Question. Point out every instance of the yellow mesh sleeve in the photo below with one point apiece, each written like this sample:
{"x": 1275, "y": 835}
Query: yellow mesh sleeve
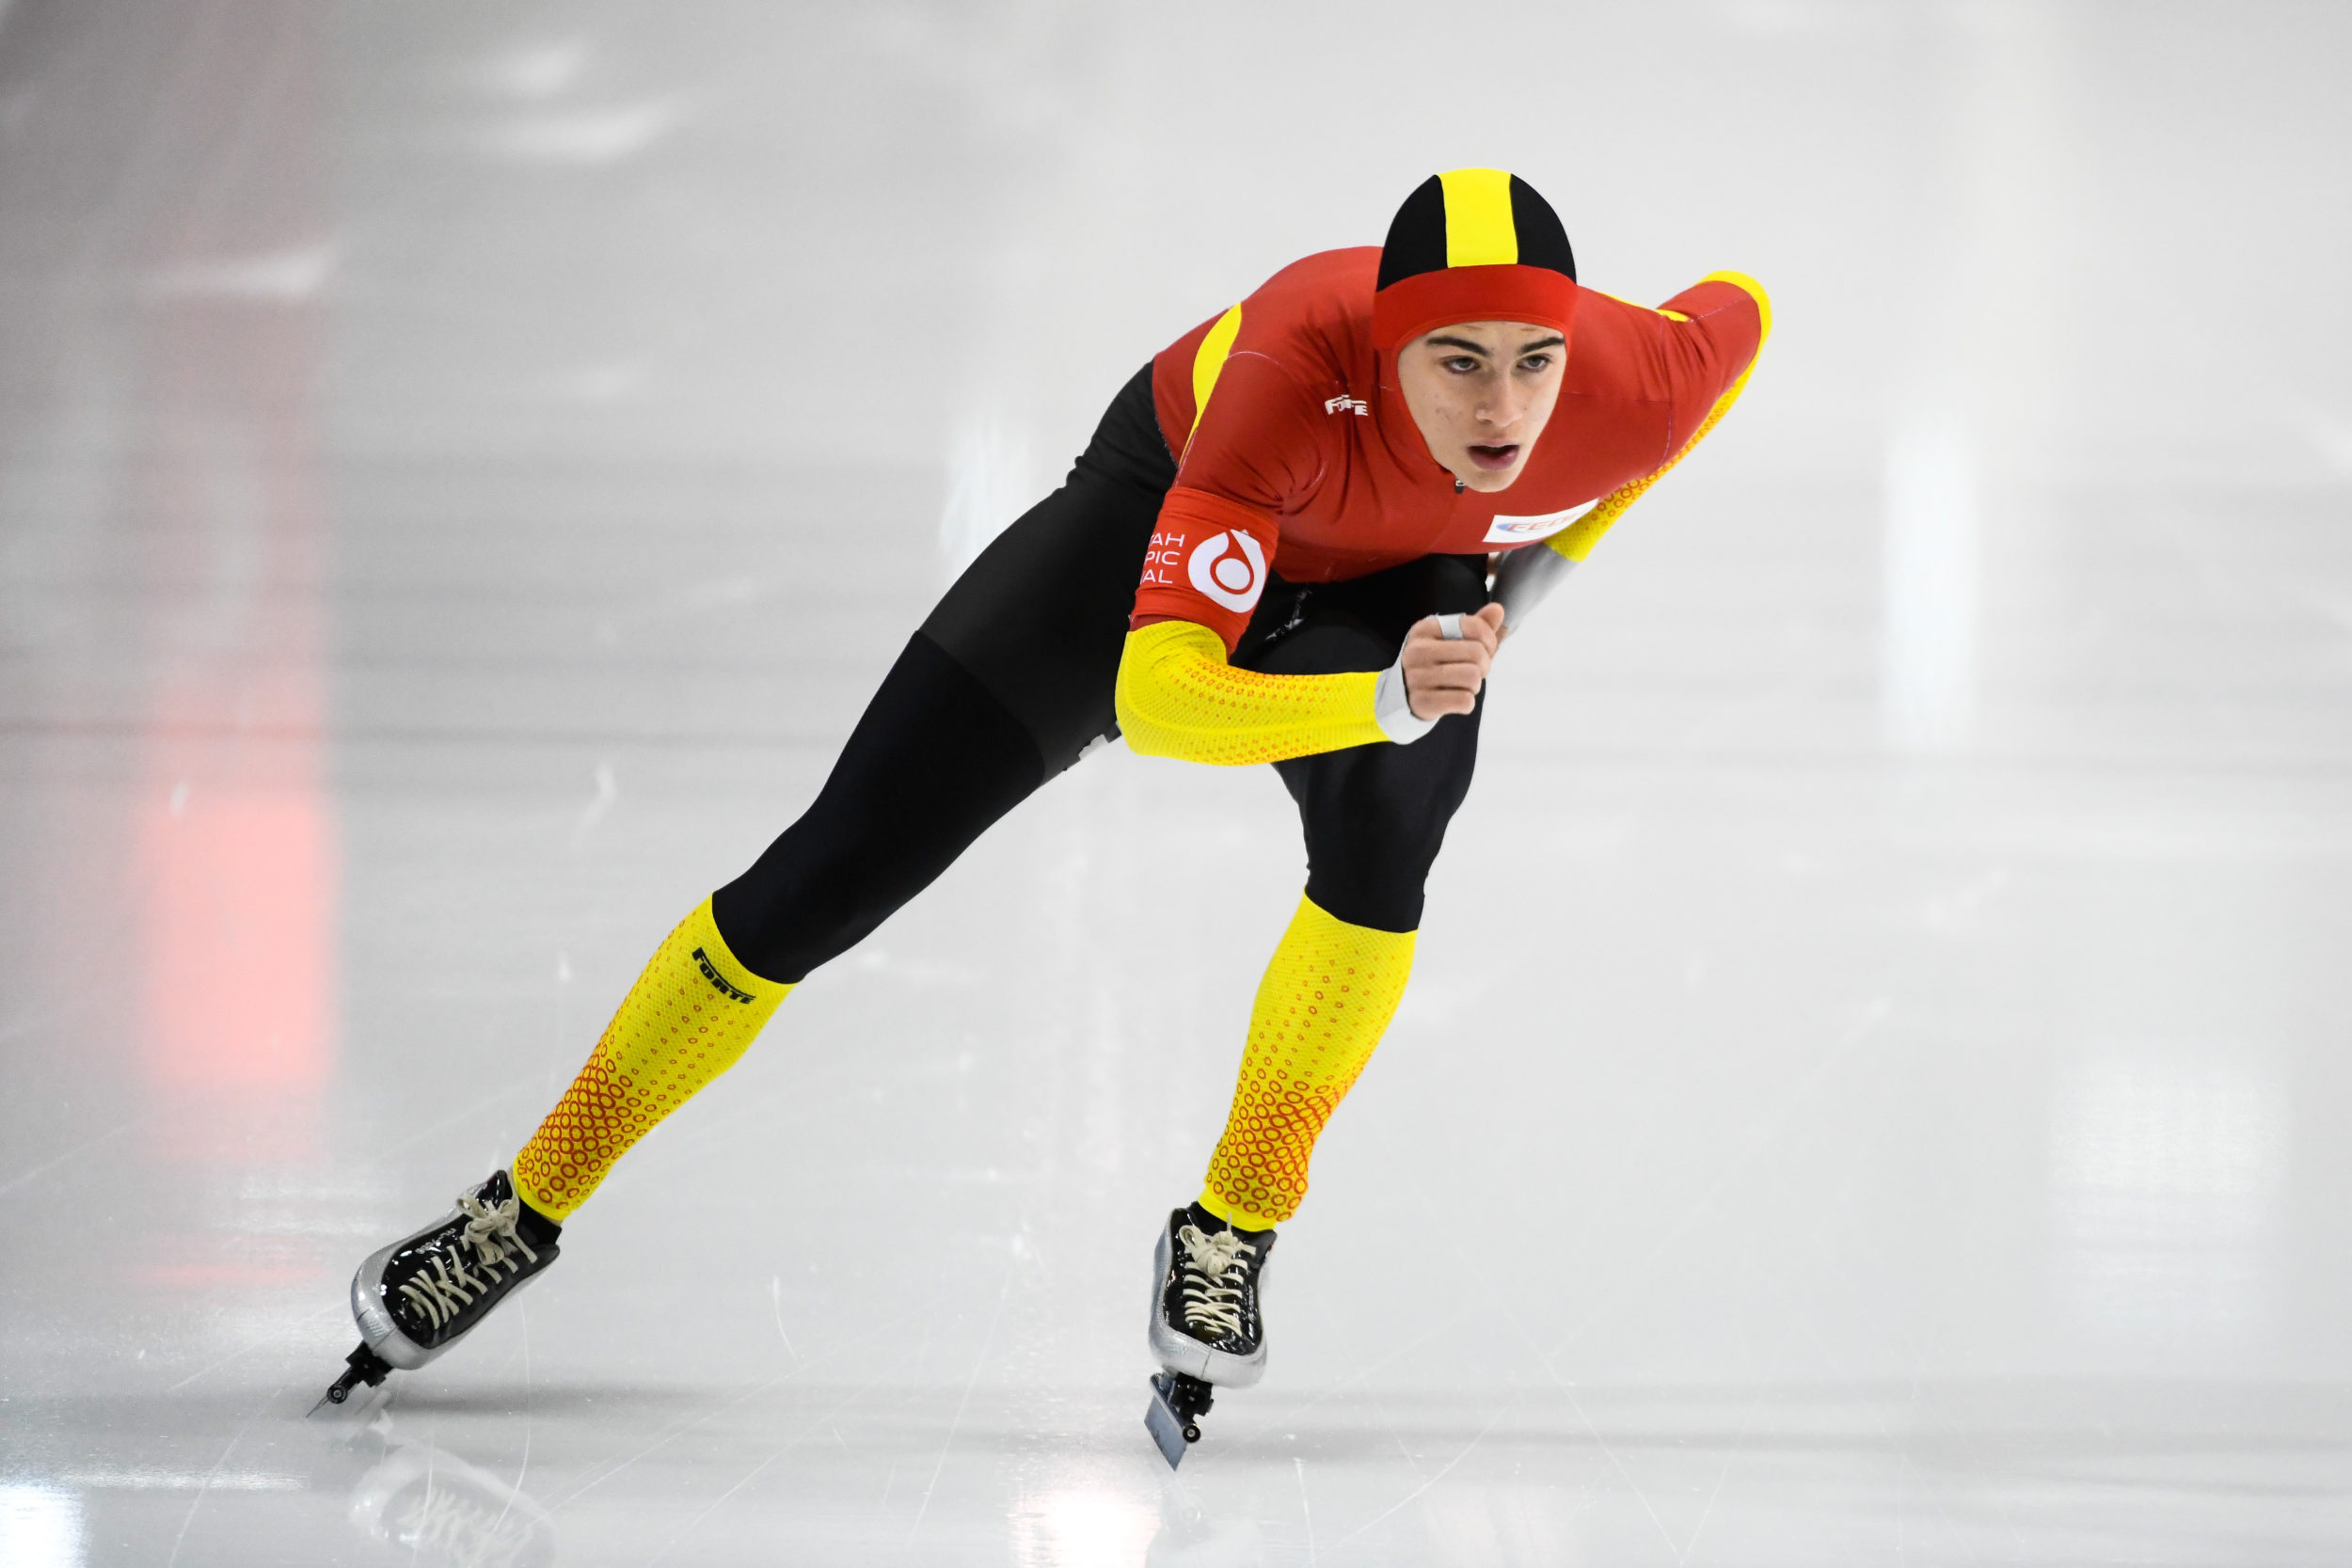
{"x": 686, "y": 1019}
{"x": 1178, "y": 698}
{"x": 1327, "y": 996}
{"x": 1577, "y": 540}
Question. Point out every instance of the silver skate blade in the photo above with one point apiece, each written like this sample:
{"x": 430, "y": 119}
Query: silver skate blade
{"x": 1165, "y": 1428}
{"x": 336, "y": 1394}
{"x": 361, "y": 1365}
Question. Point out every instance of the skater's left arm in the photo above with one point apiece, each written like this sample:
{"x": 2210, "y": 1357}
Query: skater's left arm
{"x": 1722, "y": 330}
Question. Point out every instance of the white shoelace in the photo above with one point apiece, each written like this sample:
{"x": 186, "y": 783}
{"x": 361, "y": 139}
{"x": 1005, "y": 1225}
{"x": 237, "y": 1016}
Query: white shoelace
{"x": 1214, "y": 1271}
{"x": 440, "y": 1291}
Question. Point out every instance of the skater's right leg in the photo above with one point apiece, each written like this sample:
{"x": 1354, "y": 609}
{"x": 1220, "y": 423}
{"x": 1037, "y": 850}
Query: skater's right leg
{"x": 931, "y": 763}
{"x": 934, "y": 761}
{"x": 1007, "y": 683}
{"x": 1009, "y": 679}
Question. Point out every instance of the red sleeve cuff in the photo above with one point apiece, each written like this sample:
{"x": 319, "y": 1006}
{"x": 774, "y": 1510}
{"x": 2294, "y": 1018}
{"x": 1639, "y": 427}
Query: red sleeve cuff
{"x": 1209, "y": 562}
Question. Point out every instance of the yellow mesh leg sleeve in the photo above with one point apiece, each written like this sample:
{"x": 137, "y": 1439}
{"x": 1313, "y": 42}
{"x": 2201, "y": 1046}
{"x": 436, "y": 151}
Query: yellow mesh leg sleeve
{"x": 1327, "y": 998}
{"x": 685, "y": 1021}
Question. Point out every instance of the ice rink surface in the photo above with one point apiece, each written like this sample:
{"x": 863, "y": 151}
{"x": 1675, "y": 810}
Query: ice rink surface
{"x": 1874, "y": 1086}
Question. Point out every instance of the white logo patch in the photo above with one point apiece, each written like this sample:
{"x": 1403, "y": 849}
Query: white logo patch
{"x": 1519, "y": 531}
{"x": 1233, "y": 581}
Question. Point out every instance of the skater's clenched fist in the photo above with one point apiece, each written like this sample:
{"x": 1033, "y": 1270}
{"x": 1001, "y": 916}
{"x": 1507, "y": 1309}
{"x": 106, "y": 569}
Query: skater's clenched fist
{"x": 1442, "y": 675}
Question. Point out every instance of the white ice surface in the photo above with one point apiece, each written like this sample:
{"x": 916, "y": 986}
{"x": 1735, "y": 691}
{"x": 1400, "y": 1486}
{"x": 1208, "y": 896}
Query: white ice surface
{"x": 1873, "y": 1087}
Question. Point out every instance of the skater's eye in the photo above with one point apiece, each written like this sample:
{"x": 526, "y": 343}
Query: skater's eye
{"x": 1466, "y": 357}
{"x": 1536, "y": 364}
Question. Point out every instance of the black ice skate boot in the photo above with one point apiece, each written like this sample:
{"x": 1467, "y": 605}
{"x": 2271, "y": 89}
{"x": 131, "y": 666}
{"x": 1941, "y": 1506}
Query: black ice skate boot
{"x": 1206, "y": 1328}
{"x": 421, "y": 1295}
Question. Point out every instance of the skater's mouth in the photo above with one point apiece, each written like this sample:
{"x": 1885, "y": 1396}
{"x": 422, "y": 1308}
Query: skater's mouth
{"x": 1495, "y": 457}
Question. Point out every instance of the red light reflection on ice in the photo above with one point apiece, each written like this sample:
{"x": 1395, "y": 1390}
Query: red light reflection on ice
{"x": 239, "y": 896}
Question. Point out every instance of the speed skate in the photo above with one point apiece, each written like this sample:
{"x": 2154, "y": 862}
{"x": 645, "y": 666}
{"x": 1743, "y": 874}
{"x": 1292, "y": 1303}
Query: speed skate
{"x": 1207, "y": 1329}
{"x": 416, "y": 1297}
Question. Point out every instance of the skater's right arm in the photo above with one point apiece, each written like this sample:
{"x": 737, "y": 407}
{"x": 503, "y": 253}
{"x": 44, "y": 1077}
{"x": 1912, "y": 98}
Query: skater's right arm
{"x": 1210, "y": 554}
{"x": 1178, "y": 696}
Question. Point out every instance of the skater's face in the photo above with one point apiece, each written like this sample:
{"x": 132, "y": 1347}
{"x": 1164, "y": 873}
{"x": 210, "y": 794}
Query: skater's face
{"x": 1482, "y": 392}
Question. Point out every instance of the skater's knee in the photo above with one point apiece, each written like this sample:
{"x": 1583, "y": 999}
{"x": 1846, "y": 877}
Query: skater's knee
{"x": 1379, "y": 894}
{"x": 803, "y": 904}
{"x": 1371, "y": 845}
{"x": 1371, "y": 873}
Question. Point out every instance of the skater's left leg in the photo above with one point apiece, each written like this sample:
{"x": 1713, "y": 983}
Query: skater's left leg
{"x": 1327, "y": 998}
{"x": 1375, "y": 819}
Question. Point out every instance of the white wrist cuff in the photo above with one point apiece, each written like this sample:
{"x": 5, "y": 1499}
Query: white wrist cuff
{"x": 1392, "y": 712}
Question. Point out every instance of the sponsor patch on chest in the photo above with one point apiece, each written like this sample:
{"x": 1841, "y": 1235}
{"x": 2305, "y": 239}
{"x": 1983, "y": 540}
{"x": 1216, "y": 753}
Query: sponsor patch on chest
{"x": 1521, "y": 530}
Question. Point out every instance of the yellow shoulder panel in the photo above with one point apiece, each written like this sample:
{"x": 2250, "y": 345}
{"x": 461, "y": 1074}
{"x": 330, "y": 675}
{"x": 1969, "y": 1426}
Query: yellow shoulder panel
{"x": 1209, "y": 361}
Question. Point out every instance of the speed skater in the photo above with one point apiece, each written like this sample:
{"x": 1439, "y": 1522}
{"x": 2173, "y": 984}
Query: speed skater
{"x": 1298, "y": 536}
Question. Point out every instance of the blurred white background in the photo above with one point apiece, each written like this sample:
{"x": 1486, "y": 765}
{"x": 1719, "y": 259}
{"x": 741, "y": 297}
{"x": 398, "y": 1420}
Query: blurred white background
{"x": 1871, "y": 1091}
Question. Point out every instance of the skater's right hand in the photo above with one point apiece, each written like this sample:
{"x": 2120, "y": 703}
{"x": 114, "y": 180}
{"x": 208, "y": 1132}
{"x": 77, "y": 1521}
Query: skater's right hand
{"x": 1443, "y": 677}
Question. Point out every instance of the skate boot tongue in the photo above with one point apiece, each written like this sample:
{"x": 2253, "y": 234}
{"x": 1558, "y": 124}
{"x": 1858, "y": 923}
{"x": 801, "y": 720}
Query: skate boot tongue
{"x": 1208, "y": 1223}
{"x": 1217, "y": 1271}
{"x": 498, "y": 1196}
{"x": 531, "y": 1225}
